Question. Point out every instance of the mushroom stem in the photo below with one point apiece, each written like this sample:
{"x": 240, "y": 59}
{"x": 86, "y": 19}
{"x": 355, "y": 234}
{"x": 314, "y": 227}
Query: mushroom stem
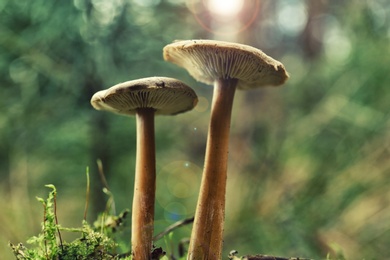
{"x": 207, "y": 233}
{"x": 144, "y": 186}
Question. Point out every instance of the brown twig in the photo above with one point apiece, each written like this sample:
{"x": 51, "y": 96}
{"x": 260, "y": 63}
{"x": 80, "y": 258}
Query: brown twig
{"x": 173, "y": 227}
{"x": 101, "y": 173}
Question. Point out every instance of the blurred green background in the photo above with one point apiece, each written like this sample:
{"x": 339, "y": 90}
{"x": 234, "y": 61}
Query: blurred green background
{"x": 309, "y": 169}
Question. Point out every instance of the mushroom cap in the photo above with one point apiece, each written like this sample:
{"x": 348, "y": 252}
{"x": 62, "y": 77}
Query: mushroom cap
{"x": 167, "y": 96}
{"x": 209, "y": 60}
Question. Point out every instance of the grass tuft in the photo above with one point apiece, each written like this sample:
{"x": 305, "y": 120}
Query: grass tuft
{"x": 93, "y": 243}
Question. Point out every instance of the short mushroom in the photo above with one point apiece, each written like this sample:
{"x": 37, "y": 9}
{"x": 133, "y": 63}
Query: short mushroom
{"x": 229, "y": 66}
{"x": 145, "y": 98}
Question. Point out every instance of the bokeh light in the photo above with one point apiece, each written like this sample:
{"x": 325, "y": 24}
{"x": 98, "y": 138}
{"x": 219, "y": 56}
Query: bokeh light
{"x": 292, "y": 17}
{"x": 175, "y": 211}
{"x": 225, "y": 7}
{"x": 178, "y": 181}
{"x": 224, "y": 19}
{"x": 146, "y": 3}
{"x": 336, "y": 42}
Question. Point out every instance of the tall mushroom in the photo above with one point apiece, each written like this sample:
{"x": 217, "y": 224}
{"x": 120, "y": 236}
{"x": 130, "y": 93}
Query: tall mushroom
{"x": 145, "y": 98}
{"x": 229, "y": 66}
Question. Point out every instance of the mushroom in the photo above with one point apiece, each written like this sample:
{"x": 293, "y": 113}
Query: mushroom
{"x": 229, "y": 66}
{"x": 145, "y": 98}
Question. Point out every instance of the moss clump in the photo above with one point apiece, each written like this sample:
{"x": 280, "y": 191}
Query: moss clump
{"x": 94, "y": 242}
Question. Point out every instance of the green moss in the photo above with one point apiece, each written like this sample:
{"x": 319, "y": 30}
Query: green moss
{"x": 94, "y": 242}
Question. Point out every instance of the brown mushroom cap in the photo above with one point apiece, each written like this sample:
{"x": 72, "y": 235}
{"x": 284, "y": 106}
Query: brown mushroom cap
{"x": 167, "y": 96}
{"x": 209, "y": 60}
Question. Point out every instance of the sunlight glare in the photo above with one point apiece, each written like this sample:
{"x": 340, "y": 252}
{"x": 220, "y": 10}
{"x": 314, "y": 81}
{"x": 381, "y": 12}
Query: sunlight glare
{"x": 225, "y": 7}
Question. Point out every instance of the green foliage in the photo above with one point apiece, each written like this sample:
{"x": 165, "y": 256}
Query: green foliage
{"x": 94, "y": 242}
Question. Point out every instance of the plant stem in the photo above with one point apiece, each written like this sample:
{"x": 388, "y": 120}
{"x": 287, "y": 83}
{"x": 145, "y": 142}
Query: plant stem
{"x": 207, "y": 233}
{"x": 144, "y": 186}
